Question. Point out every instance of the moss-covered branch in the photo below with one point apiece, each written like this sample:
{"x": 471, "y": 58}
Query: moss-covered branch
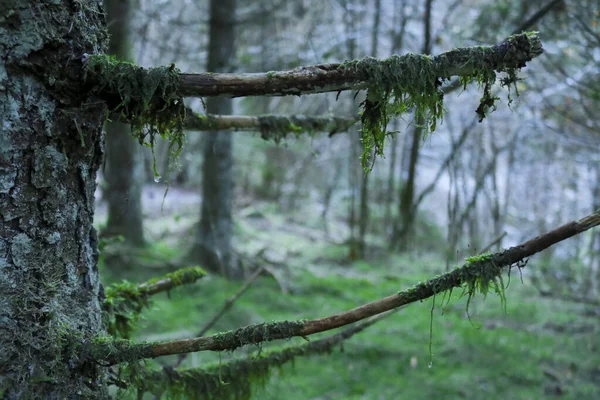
{"x": 235, "y": 379}
{"x": 271, "y": 127}
{"x": 353, "y": 75}
{"x": 478, "y": 274}
{"x": 147, "y": 98}
{"x": 153, "y": 99}
{"x": 124, "y": 301}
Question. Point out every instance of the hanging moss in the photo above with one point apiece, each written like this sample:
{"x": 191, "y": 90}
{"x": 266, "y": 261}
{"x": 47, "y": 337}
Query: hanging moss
{"x": 236, "y": 379}
{"x": 396, "y": 85}
{"x": 125, "y": 301}
{"x": 148, "y": 98}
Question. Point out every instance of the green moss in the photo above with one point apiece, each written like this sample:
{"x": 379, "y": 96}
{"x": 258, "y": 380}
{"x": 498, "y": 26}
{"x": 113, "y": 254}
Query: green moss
{"x": 148, "y": 98}
{"x": 399, "y": 84}
{"x": 257, "y": 334}
{"x": 276, "y": 128}
{"x": 123, "y": 304}
{"x": 396, "y": 85}
{"x": 182, "y": 276}
{"x": 125, "y": 301}
{"x": 233, "y": 380}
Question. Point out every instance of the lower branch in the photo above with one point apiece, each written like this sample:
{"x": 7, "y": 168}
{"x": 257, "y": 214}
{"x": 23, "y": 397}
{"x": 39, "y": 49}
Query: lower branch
{"x": 228, "y": 304}
{"x": 479, "y": 273}
{"x": 271, "y": 127}
{"x": 233, "y": 380}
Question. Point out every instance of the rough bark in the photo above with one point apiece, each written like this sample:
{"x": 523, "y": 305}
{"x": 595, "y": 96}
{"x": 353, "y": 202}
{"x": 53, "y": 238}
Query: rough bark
{"x": 124, "y": 158}
{"x": 212, "y": 247}
{"x": 51, "y": 146}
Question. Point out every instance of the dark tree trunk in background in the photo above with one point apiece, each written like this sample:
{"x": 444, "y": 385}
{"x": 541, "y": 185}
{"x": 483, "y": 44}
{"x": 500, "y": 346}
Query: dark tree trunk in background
{"x": 50, "y": 150}
{"x": 212, "y": 247}
{"x": 407, "y": 212}
{"x": 363, "y": 218}
{"x": 124, "y": 171}
{"x": 397, "y": 37}
{"x": 350, "y": 20}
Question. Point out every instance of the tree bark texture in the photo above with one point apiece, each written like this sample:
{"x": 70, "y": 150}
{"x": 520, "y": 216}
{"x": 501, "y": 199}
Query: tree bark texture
{"x": 51, "y": 146}
{"x": 212, "y": 247}
{"x": 124, "y": 174}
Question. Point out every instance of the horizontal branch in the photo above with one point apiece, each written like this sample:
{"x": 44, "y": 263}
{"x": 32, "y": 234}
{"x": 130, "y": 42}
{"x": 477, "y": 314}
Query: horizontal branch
{"x": 234, "y": 379}
{"x": 355, "y": 75}
{"x": 270, "y": 126}
{"x": 183, "y": 276}
{"x": 125, "y": 301}
{"x": 478, "y": 273}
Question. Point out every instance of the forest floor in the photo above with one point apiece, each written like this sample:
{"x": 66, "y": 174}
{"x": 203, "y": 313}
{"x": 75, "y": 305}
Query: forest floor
{"x": 538, "y": 348}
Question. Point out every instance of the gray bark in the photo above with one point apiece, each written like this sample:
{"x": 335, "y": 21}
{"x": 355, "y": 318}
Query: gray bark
{"x": 51, "y": 146}
{"x": 124, "y": 158}
{"x": 212, "y": 247}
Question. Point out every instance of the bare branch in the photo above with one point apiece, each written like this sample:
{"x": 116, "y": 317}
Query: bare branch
{"x": 478, "y": 272}
{"x": 512, "y": 53}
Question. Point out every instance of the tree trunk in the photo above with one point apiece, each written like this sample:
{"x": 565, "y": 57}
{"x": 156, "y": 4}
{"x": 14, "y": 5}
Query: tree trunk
{"x": 124, "y": 172}
{"x": 51, "y": 146}
{"x": 213, "y": 239}
{"x": 363, "y": 217}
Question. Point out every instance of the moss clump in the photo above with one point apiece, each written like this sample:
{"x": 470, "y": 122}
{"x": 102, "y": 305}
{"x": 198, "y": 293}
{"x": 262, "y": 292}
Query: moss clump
{"x": 180, "y": 277}
{"x": 257, "y": 334}
{"x": 396, "y": 85}
{"x": 276, "y": 128}
{"x": 148, "y": 98}
{"x": 400, "y": 83}
{"x": 478, "y": 275}
{"x": 123, "y": 304}
{"x": 125, "y": 301}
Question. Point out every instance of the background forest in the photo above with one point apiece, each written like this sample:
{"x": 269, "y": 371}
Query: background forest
{"x": 329, "y": 236}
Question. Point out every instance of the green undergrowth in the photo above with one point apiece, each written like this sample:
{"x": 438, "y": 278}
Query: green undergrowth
{"x": 148, "y": 98}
